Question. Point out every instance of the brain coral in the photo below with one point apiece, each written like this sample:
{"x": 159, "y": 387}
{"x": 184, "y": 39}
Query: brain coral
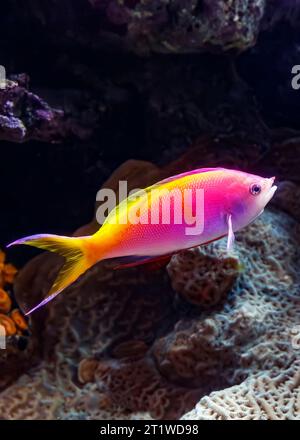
{"x": 268, "y": 396}
{"x": 252, "y": 330}
{"x": 124, "y": 344}
{"x": 189, "y": 275}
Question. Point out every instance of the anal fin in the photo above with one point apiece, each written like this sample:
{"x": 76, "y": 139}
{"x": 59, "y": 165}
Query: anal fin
{"x": 150, "y": 262}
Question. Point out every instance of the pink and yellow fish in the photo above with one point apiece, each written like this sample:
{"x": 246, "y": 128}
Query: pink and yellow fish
{"x": 177, "y": 213}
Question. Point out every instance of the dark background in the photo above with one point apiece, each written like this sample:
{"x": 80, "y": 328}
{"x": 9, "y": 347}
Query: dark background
{"x": 144, "y": 106}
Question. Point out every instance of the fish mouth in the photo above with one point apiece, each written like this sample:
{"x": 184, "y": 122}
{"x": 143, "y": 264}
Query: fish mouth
{"x": 272, "y": 189}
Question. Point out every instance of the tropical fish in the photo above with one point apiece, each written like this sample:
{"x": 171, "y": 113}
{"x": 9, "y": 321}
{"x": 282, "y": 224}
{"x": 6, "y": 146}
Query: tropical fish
{"x": 180, "y": 212}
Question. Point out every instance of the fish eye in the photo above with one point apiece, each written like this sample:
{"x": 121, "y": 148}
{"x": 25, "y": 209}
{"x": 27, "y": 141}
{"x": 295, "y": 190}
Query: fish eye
{"x": 255, "y": 189}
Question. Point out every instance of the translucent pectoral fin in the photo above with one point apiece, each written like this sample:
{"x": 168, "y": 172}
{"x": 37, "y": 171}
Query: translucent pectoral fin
{"x": 230, "y": 237}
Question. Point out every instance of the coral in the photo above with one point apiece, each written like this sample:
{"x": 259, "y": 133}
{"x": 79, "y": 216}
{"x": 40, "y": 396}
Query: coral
{"x": 179, "y": 26}
{"x": 7, "y": 271}
{"x": 25, "y": 116}
{"x": 19, "y": 320}
{"x": 189, "y": 276}
{"x": 117, "y": 345}
{"x": 71, "y": 365}
{"x": 20, "y": 346}
{"x": 8, "y": 324}
{"x": 268, "y": 396}
{"x": 5, "y": 301}
{"x": 173, "y": 26}
{"x": 131, "y": 344}
{"x": 136, "y": 344}
{"x": 7, "y": 275}
{"x": 252, "y": 331}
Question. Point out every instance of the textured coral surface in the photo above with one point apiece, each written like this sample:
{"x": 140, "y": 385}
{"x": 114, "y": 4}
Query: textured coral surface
{"x": 20, "y": 346}
{"x": 119, "y": 346}
{"x": 264, "y": 396}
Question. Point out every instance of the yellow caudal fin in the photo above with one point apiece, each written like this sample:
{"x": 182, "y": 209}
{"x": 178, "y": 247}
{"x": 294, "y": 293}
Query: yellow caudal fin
{"x": 73, "y": 249}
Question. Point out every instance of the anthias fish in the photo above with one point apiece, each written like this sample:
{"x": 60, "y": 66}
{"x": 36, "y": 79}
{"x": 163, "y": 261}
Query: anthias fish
{"x": 177, "y": 213}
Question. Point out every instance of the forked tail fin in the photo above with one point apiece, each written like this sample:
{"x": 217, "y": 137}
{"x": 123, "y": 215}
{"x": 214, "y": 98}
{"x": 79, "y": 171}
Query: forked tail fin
{"x": 73, "y": 249}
